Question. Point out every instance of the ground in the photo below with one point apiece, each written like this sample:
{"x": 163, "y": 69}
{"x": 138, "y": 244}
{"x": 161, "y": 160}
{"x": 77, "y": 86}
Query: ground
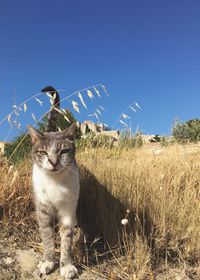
{"x": 21, "y": 264}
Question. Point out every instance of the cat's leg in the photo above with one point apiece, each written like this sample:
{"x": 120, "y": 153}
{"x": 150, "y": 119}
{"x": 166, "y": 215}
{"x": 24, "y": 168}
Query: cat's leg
{"x": 67, "y": 269}
{"x": 46, "y": 224}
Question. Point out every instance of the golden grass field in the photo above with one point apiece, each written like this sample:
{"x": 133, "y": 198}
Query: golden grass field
{"x": 158, "y": 194}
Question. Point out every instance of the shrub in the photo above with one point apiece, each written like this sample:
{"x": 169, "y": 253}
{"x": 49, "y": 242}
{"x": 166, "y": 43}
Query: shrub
{"x": 167, "y": 141}
{"x": 130, "y": 141}
{"x": 95, "y": 141}
{"x": 15, "y": 151}
{"x": 187, "y": 132}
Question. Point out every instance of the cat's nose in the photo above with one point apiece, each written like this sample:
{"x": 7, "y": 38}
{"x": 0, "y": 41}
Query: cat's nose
{"x": 53, "y": 161}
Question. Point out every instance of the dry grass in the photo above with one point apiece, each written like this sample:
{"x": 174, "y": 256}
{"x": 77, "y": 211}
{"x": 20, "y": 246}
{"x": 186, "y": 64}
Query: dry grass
{"x": 162, "y": 193}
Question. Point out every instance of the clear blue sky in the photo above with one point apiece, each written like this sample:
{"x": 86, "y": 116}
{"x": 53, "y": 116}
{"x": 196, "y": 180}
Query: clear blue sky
{"x": 142, "y": 50}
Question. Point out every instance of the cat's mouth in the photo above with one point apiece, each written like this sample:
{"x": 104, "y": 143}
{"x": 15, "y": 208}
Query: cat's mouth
{"x": 56, "y": 170}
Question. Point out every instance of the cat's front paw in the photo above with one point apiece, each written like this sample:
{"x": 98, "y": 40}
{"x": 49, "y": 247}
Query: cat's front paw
{"x": 68, "y": 271}
{"x": 45, "y": 267}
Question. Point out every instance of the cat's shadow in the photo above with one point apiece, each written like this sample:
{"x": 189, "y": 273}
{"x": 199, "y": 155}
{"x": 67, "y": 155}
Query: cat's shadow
{"x": 99, "y": 215}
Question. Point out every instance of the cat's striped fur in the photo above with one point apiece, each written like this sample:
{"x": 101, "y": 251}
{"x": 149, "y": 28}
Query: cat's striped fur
{"x": 51, "y": 124}
{"x": 56, "y": 188}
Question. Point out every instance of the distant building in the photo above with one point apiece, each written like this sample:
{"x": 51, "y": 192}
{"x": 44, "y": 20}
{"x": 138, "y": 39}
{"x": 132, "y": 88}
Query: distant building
{"x": 146, "y": 138}
{"x": 115, "y": 134}
{"x": 2, "y": 148}
{"x": 97, "y": 128}
{"x": 103, "y": 127}
{"x": 87, "y": 126}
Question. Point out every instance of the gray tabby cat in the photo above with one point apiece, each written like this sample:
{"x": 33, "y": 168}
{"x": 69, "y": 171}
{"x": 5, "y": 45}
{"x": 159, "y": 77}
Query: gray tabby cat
{"x": 56, "y": 188}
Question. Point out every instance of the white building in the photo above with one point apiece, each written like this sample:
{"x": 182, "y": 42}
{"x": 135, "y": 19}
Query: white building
{"x": 2, "y": 148}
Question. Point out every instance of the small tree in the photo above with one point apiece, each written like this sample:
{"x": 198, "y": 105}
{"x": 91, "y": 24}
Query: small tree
{"x": 187, "y": 132}
{"x": 155, "y": 139}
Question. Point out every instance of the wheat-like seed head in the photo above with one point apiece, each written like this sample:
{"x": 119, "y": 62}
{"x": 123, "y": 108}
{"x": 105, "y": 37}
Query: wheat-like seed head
{"x": 74, "y": 99}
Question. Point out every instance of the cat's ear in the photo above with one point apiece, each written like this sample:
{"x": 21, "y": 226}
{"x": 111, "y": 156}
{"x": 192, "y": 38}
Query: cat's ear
{"x": 35, "y": 134}
{"x": 70, "y": 132}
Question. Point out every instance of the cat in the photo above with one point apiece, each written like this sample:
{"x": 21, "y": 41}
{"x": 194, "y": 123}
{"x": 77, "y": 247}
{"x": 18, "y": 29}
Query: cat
{"x": 55, "y": 187}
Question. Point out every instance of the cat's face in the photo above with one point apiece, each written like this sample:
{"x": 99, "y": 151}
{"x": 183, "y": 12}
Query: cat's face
{"x": 54, "y": 151}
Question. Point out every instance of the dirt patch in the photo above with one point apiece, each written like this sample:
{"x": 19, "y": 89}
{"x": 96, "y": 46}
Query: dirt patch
{"x": 9, "y": 268}
{"x": 21, "y": 264}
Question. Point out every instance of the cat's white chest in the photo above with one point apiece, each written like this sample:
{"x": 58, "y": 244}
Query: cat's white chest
{"x": 50, "y": 192}
{"x": 54, "y": 189}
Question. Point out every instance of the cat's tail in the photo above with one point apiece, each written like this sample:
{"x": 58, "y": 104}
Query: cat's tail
{"x": 51, "y": 124}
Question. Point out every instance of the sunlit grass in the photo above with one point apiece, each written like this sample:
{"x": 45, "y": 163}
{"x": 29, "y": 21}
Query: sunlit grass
{"x": 161, "y": 192}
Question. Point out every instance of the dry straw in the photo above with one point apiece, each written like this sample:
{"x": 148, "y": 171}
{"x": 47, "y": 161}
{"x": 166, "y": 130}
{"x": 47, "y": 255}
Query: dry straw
{"x": 161, "y": 193}
{"x": 23, "y": 107}
{"x": 124, "y": 116}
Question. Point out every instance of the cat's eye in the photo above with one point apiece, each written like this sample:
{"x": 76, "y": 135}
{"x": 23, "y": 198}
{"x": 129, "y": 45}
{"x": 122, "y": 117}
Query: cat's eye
{"x": 64, "y": 151}
{"x": 43, "y": 153}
